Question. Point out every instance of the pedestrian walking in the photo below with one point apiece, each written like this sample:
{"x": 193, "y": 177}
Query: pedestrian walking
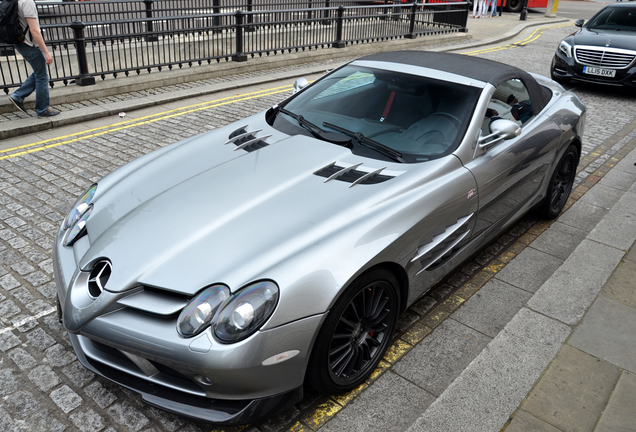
{"x": 35, "y": 52}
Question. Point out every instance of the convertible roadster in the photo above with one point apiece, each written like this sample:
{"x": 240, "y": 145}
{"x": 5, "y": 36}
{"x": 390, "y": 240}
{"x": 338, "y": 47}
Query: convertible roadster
{"x": 219, "y": 275}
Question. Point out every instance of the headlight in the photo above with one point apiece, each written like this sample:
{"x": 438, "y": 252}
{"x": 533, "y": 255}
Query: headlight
{"x": 246, "y": 311}
{"x": 77, "y": 229}
{"x": 198, "y": 314}
{"x": 80, "y": 207}
{"x": 565, "y": 48}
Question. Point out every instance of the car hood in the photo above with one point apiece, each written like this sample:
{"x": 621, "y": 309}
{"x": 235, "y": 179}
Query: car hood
{"x": 205, "y": 213}
{"x": 616, "y": 39}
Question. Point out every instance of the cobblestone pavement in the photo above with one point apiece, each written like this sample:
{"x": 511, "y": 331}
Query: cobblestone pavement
{"x": 42, "y": 385}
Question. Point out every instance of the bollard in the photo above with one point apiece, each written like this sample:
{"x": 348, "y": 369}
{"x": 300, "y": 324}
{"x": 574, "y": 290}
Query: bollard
{"x": 550, "y": 10}
{"x": 150, "y": 37}
{"x": 339, "y": 43}
{"x": 325, "y": 15}
{"x": 412, "y": 34}
{"x": 239, "y": 56}
{"x": 524, "y": 11}
{"x": 84, "y": 77}
{"x": 250, "y": 19}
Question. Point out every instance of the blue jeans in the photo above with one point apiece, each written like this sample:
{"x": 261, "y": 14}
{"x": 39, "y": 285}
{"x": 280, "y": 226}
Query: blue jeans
{"x": 38, "y": 80}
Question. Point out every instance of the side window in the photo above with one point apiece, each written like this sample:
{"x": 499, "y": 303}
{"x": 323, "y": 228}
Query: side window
{"x": 510, "y": 101}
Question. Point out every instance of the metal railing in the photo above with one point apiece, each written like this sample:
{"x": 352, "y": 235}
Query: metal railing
{"x": 109, "y": 38}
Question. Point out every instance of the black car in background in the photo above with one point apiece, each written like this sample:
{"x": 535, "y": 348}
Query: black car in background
{"x": 603, "y": 50}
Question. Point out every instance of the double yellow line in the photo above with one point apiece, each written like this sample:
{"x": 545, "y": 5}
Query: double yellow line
{"x": 103, "y": 130}
{"x": 533, "y": 37}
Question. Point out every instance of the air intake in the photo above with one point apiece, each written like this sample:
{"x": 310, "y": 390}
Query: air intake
{"x": 352, "y": 175}
{"x": 247, "y": 140}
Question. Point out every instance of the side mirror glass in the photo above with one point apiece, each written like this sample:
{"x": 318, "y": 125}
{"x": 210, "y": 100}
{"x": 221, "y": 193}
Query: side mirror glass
{"x": 579, "y": 22}
{"x": 300, "y": 84}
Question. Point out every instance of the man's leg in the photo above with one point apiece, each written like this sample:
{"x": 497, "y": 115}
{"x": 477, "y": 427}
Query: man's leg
{"x": 38, "y": 80}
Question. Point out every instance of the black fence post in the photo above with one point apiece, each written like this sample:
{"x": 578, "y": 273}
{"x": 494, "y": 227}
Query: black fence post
{"x": 325, "y": 15}
{"x": 150, "y": 37}
{"x": 309, "y": 11}
{"x": 250, "y": 18}
{"x": 239, "y": 56}
{"x": 84, "y": 78}
{"x": 412, "y": 34}
{"x": 339, "y": 43}
{"x": 386, "y": 10}
{"x": 216, "y": 19}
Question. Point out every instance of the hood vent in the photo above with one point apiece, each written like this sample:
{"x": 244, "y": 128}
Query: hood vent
{"x": 352, "y": 175}
{"x": 247, "y": 140}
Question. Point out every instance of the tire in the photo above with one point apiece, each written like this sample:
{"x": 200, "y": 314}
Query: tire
{"x": 514, "y": 6}
{"x": 355, "y": 335}
{"x": 560, "y": 184}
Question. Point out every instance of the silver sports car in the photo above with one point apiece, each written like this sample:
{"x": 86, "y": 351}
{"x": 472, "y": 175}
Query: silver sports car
{"x": 219, "y": 275}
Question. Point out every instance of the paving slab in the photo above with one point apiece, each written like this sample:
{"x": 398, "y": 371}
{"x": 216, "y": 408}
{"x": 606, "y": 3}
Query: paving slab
{"x": 530, "y": 269}
{"x": 621, "y": 287}
{"x": 583, "y": 216}
{"x": 618, "y": 179}
{"x": 620, "y": 415}
{"x": 573, "y": 391}
{"x": 602, "y": 196}
{"x": 618, "y": 228}
{"x": 526, "y": 422}
{"x": 574, "y": 286}
{"x": 559, "y": 240}
{"x": 628, "y": 163}
{"x": 490, "y": 309}
{"x": 607, "y": 332}
{"x": 435, "y": 362}
{"x": 494, "y": 384}
{"x": 390, "y": 404}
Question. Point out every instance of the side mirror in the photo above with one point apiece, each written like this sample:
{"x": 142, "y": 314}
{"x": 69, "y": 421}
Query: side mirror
{"x": 579, "y": 22}
{"x": 300, "y": 84}
{"x": 501, "y": 129}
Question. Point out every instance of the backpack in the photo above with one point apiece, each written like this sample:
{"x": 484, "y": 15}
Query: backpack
{"x": 11, "y": 31}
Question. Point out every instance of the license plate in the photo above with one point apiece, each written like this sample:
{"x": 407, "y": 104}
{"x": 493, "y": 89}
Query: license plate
{"x": 599, "y": 71}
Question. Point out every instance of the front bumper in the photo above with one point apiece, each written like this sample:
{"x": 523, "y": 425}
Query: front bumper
{"x": 217, "y": 411}
{"x": 566, "y": 68}
{"x": 199, "y": 377}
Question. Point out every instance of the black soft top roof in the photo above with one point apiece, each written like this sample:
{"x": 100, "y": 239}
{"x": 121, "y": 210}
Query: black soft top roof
{"x": 477, "y": 68}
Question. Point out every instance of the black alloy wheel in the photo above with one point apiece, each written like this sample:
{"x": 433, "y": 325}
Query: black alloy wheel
{"x": 355, "y": 334}
{"x": 560, "y": 184}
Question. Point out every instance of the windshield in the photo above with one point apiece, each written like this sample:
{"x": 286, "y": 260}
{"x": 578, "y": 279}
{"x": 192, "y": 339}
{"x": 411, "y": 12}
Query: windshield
{"x": 621, "y": 19}
{"x": 418, "y": 118}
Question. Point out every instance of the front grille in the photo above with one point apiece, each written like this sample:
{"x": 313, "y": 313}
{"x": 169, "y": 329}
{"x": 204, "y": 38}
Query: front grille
{"x": 604, "y": 57}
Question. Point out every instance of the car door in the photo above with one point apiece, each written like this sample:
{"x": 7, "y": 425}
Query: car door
{"x": 510, "y": 173}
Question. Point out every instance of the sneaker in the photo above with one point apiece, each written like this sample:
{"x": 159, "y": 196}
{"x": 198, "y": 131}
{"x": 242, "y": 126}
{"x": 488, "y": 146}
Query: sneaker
{"x": 50, "y": 112}
{"x": 18, "y": 105}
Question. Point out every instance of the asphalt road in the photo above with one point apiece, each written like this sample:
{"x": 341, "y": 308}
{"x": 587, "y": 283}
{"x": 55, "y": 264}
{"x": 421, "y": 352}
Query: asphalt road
{"x": 42, "y": 386}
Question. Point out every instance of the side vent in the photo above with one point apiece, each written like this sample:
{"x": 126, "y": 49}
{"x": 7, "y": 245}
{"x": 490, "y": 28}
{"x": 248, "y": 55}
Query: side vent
{"x": 352, "y": 175}
{"x": 443, "y": 246}
{"x": 247, "y": 140}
